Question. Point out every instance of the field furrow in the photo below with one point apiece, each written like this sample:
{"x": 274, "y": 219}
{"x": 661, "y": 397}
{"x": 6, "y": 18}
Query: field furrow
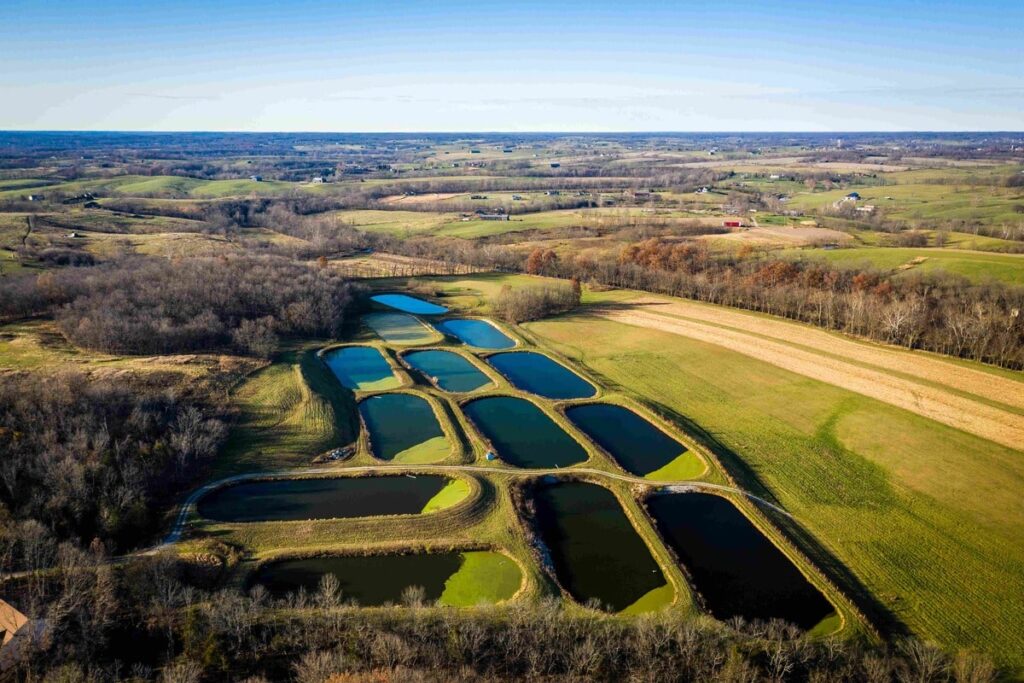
{"x": 971, "y": 416}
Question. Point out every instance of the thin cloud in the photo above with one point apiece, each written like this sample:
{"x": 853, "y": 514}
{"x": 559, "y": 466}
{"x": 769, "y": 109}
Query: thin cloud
{"x": 184, "y": 98}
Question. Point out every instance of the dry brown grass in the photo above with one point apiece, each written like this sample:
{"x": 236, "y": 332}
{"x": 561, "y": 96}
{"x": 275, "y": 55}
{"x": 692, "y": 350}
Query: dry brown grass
{"x": 418, "y": 198}
{"x": 394, "y": 265}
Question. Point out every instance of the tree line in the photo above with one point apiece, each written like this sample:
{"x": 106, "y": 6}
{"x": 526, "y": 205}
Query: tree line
{"x": 534, "y": 303}
{"x": 91, "y": 461}
{"x": 937, "y": 312}
{"x": 148, "y": 621}
{"x": 151, "y": 306}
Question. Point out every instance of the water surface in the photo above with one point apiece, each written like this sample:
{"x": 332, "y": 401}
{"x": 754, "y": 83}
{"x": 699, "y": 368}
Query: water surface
{"x": 370, "y": 580}
{"x": 361, "y": 368}
{"x": 522, "y": 434}
{"x": 399, "y": 328}
{"x": 403, "y": 428}
{"x": 456, "y": 579}
{"x": 538, "y": 374}
{"x": 451, "y": 371}
{"x": 478, "y": 333}
{"x": 640, "y": 447}
{"x": 737, "y": 570}
{"x": 409, "y": 304}
{"x": 596, "y": 552}
{"x": 297, "y": 499}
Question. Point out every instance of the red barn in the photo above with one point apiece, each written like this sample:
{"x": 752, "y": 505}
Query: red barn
{"x": 732, "y": 223}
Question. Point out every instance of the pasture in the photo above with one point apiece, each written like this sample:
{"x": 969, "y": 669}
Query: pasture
{"x": 975, "y": 266}
{"x": 923, "y": 516}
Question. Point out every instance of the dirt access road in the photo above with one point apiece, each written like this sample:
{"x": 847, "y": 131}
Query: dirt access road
{"x": 944, "y": 391}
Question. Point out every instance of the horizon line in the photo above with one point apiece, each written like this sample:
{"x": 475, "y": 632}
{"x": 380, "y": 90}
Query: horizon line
{"x": 510, "y": 132}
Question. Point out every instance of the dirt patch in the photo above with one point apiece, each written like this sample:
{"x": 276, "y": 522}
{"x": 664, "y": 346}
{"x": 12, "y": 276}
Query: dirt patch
{"x": 793, "y": 348}
{"x": 795, "y": 236}
{"x": 417, "y": 198}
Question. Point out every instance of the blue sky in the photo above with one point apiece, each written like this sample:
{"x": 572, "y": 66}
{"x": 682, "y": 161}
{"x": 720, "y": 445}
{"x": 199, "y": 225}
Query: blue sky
{"x": 514, "y": 66}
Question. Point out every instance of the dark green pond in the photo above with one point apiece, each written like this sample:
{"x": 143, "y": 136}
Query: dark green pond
{"x": 371, "y": 580}
{"x": 734, "y": 566}
{"x": 298, "y": 499}
{"x": 402, "y": 427}
{"x": 451, "y": 371}
{"x": 478, "y": 333}
{"x": 538, "y": 374}
{"x": 522, "y": 434}
{"x": 596, "y": 552}
{"x": 360, "y": 367}
{"x": 639, "y": 446}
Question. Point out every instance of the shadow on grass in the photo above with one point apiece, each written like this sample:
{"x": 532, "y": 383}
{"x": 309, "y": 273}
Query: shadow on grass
{"x": 746, "y": 478}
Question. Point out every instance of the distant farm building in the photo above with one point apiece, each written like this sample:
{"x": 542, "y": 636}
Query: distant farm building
{"x": 256, "y": 178}
{"x": 318, "y": 180}
{"x": 732, "y": 223}
{"x": 853, "y": 197}
{"x": 494, "y": 217}
{"x": 555, "y": 164}
{"x": 553, "y": 193}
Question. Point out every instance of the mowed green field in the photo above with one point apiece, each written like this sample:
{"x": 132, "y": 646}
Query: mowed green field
{"x": 976, "y": 266}
{"x": 929, "y": 519}
{"x": 402, "y": 223}
{"x": 920, "y": 203}
{"x": 289, "y": 412}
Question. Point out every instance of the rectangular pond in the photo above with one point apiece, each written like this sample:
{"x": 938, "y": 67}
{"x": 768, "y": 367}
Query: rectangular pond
{"x": 737, "y": 570}
{"x": 403, "y": 428}
{"x": 449, "y": 370}
{"x": 399, "y": 328}
{"x": 454, "y": 579}
{"x": 360, "y": 368}
{"x": 596, "y": 552}
{"x": 478, "y": 333}
{"x": 640, "y": 447}
{"x": 538, "y": 374}
{"x": 522, "y": 434}
{"x": 333, "y": 498}
{"x": 408, "y": 304}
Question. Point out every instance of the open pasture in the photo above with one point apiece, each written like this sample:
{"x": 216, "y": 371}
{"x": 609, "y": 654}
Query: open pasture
{"x": 975, "y": 266}
{"x": 920, "y": 514}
